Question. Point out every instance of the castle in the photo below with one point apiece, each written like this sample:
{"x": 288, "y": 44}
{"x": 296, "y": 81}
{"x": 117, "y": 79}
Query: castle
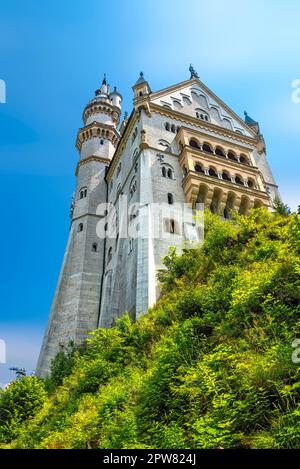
{"x": 180, "y": 145}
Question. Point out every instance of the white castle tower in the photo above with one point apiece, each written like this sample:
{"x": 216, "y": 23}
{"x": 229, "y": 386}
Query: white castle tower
{"x": 75, "y": 308}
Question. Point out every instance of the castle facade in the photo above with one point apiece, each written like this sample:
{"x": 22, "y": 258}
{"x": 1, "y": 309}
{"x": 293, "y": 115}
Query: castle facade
{"x": 180, "y": 145}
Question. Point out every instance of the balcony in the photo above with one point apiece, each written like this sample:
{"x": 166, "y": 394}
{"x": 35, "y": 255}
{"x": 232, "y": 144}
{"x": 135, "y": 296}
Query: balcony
{"x": 219, "y": 174}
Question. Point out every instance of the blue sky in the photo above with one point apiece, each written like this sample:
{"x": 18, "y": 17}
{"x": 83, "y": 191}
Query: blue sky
{"x": 53, "y": 56}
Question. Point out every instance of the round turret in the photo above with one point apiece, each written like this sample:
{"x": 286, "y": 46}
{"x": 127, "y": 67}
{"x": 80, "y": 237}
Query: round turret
{"x": 104, "y": 107}
{"x": 116, "y": 98}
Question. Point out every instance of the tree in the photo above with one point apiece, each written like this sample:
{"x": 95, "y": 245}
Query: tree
{"x": 281, "y": 208}
{"x": 19, "y": 402}
{"x": 61, "y": 366}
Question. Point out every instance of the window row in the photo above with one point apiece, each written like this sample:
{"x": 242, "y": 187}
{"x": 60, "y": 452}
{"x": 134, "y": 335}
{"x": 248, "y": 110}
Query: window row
{"x": 220, "y": 152}
{"x": 172, "y": 127}
{"x": 200, "y": 114}
{"x": 226, "y": 176}
{"x": 167, "y": 172}
{"x": 99, "y": 133}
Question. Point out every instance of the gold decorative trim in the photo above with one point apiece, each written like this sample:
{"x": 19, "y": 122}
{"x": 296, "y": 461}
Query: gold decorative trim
{"x": 100, "y": 159}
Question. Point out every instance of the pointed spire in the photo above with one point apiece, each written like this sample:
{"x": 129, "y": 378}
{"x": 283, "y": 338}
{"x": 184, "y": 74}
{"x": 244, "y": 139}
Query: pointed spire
{"x": 141, "y": 79}
{"x": 249, "y": 120}
{"x": 193, "y": 72}
{"x": 104, "y": 79}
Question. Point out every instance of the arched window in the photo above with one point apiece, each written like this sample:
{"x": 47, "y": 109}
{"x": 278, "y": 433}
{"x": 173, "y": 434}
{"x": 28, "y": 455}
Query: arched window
{"x": 109, "y": 255}
{"x": 119, "y": 190}
{"x": 132, "y": 188}
{"x": 167, "y": 126}
{"x": 173, "y": 128}
{"x": 119, "y": 169}
{"x": 171, "y": 226}
{"x": 251, "y": 183}
{"x": 226, "y": 176}
{"x": 198, "y": 168}
{"x": 207, "y": 148}
{"x": 135, "y": 132}
{"x": 101, "y": 142}
{"x": 80, "y": 227}
{"x": 194, "y": 143}
{"x": 170, "y": 199}
{"x": 200, "y": 114}
{"x": 220, "y": 152}
{"x": 244, "y": 159}
{"x": 170, "y": 173}
{"x": 212, "y": 172}
{"x": 94, "y": 247}
{"x": 167, "y": 171}
{"x": 83, "y": 193}
{"x": 239, "y": 180}
{"x": 231, "y": 155}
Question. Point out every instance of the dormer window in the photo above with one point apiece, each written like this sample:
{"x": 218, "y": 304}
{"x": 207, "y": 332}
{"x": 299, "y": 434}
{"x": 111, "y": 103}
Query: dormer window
{"x": 200, "y": 114}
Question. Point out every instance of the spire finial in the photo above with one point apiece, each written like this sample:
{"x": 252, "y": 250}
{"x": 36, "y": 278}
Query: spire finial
{"x": 104, "y": 79}
{"x": 193, "y": 72}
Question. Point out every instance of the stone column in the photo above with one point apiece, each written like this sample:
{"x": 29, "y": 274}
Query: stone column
{"x": 222, "y": 203}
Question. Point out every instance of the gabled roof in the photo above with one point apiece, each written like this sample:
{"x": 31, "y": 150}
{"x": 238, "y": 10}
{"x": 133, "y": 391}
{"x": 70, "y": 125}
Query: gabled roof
{"x": 196, "y": 83}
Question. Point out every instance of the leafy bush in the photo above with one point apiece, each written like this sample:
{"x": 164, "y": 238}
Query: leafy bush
{"x": 19, "y": 402}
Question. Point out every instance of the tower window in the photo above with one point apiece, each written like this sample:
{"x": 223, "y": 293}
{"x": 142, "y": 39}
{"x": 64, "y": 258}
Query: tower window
{"x": 109, "y": 255}
{"x": 101, "y": 141}
{"x": 167, "y": 172}
{"x": 132, "y": 188}
{"x": 167, "y": 126}
{"x": 170, "y": 174}
{"x": 83, "y": 193}
{"x": 170, "y": 199}
{"x": 80, "y": 227}
{"x": 171, "y": 226}
{"x": 94, "y": 247}
{"x": 135, "y": 132}
{"x": 119, "y": 169}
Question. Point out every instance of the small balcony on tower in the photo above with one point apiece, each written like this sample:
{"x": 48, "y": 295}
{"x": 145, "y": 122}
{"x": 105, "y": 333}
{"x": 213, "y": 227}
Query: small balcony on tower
{"x": 219, "y": 174}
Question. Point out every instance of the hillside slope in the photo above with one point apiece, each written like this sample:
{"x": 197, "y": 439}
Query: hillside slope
{"x": 210, "y": 366}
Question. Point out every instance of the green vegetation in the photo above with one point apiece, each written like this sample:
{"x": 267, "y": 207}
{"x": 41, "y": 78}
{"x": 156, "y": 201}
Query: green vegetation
{"x": 210, "y": 366}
